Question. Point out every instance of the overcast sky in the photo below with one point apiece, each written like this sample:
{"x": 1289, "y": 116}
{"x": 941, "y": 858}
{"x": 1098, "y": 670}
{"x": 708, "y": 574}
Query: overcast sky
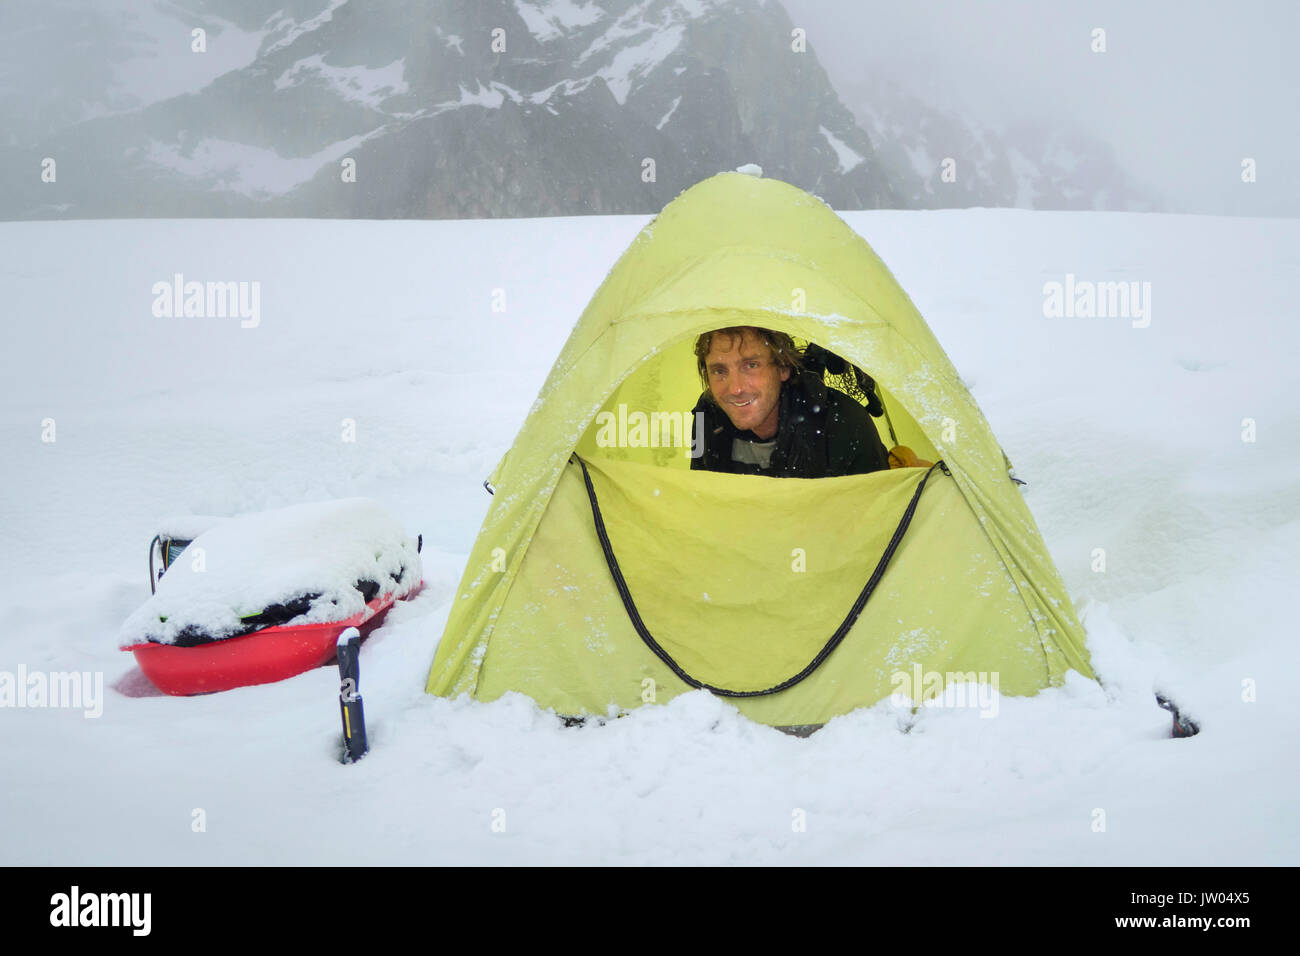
{"x": 1185, "y": 90}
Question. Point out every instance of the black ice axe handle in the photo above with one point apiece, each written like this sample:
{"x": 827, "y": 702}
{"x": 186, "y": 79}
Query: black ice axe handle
{"x": 350, "y": 706}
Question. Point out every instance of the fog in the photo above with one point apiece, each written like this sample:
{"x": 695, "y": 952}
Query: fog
{"x": 1184, "y": 91}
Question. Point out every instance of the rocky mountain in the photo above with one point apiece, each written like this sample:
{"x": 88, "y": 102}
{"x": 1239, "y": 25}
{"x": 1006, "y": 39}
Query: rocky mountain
{"x": 935, "y": 158}
{"x": 480, "y": 108}
{"x": 420, "y": 108}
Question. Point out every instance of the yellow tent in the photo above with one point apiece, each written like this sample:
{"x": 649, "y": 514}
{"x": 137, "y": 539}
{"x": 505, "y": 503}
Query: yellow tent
{"x": 608, "y": 574}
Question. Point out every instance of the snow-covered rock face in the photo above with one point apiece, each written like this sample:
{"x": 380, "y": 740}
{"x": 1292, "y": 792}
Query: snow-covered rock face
{"x": 240, "y": 566}
{"x": 449, "y": 109}
{"x": 936, "y": 158}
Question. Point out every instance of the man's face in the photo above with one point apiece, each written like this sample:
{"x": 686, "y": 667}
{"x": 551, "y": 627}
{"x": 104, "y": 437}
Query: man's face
{"x": 745, "y": 382}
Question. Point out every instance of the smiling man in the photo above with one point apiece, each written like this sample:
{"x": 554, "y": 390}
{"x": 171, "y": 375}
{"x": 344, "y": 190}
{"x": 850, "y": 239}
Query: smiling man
{"x": 765, "y": 415}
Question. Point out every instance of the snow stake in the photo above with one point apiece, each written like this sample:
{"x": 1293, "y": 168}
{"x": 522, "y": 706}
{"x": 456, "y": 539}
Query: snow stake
{"x": 354, "y": 717}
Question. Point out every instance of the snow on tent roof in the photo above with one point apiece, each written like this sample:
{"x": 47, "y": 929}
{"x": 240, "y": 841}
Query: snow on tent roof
{"x": 244, "y": 564}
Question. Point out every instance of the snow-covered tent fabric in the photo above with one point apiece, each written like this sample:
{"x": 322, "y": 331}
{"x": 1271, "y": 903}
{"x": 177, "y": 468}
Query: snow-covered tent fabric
{"x": 741, "y": 580}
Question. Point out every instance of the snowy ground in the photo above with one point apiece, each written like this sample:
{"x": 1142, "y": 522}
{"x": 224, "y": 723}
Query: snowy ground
{"x": 1131, "y": 440}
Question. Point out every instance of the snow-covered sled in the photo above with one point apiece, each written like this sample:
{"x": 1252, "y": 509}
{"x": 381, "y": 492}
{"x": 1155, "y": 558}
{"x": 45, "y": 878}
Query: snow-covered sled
{"x": 262, "y": 597}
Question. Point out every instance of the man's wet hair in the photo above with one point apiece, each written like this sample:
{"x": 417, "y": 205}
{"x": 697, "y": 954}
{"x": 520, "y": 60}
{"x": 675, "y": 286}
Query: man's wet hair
{"x": 779, "y": 345}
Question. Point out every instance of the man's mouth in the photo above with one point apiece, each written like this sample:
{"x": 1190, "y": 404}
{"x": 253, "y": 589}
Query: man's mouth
{"x": 742, "y": 404}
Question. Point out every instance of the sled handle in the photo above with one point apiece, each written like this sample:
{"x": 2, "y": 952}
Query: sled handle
{"x": 153, "y": 584}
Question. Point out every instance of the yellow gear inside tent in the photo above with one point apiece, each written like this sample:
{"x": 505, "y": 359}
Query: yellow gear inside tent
{"x": 608, "y": 575}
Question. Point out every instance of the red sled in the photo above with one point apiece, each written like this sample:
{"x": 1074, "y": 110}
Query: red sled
{"x": 262, "y": 657}
{"x": 184, "y": 657}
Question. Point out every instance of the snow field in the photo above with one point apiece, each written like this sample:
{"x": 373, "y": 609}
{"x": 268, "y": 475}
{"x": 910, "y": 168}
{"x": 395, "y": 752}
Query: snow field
{"x": 1130, "y": 439}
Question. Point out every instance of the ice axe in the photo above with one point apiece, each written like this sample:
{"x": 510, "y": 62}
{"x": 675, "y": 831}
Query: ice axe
{"x": 1183, "y": 726}
{"x": 350, "y": 708}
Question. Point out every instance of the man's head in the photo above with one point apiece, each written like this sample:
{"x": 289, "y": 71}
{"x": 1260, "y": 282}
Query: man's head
{"x": 743, "y": 368}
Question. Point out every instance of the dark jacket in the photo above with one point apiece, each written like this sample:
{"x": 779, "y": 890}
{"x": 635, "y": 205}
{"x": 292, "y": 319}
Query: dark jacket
{"x": 821, "y": 433}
